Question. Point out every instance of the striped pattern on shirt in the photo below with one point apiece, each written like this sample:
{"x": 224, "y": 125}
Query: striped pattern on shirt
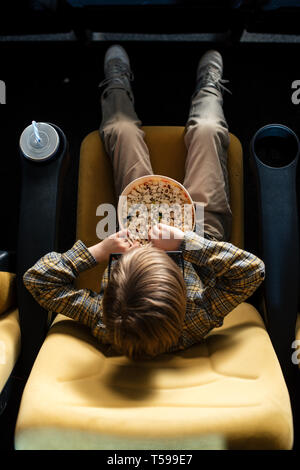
{"x": 218, "y": 276}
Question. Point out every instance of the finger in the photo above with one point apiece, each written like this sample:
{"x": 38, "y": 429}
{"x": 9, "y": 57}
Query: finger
{"x": 155, "y": 232}
{"x": 150, "y": 232}
{"x": 122, "y": 233}
{"x": 127, "y": 247}
{"x": 112, "y": 236}
{"x": 157, "y": 228}
{"x": 134, "y": 246}
{"x": 124, "y": 246}
{"x": 121, "y": 242}
{"x": 159, "y": 232}
{"x": 125, "y": 242}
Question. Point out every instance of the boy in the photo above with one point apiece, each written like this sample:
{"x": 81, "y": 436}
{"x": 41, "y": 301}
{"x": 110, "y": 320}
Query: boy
{"x": 148, "y": 306}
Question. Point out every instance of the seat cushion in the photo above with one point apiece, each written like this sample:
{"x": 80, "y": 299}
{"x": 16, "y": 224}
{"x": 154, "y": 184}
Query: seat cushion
{"x": 10, "y": 344}
{"x": 167, "y": 153}
{"x": 81, "y": 395}
{"x": 7, "y": 291}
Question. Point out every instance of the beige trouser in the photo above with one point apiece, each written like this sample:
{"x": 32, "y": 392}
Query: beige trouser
{"x": 206, "y": 139}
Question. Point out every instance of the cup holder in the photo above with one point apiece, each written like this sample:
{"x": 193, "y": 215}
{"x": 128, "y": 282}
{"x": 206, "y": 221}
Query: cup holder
{"x": 275, "y": 145}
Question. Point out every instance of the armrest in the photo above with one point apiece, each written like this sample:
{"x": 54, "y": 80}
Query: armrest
{"x": 8, "y": 261}
{"x": 40, "y": 227}
{"x": 275, "y": 153}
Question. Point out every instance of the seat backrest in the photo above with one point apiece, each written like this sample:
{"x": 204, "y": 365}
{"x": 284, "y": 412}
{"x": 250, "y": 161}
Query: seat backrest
{"x": 167, "y": 152}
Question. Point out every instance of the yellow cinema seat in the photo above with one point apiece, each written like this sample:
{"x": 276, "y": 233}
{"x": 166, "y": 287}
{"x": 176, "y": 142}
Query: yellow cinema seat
{"x": 298, "y": 338}
{"x": 228, "y": 392}
{"x": 10, "y": 336}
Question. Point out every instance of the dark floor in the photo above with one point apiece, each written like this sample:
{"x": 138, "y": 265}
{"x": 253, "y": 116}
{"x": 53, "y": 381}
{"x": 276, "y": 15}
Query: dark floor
{"x": 57, "y": 82}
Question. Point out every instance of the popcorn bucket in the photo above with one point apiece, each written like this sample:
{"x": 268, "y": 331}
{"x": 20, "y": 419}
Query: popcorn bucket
{"x": 155, "y": 191}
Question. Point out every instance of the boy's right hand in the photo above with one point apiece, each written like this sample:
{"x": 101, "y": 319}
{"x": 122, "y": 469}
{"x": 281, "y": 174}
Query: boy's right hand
{"x": 115, "y": 243}
{"x": 166, "y": 237}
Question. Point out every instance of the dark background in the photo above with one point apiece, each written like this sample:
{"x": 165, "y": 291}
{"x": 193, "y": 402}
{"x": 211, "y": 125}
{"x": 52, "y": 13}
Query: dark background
{"x": 58, "y": 82}
{"x": 52, "y": 62}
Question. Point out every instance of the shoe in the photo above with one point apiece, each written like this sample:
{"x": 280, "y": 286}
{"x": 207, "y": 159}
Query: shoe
{"x": 117, "y": 69}
{"x": 210, "y": 71}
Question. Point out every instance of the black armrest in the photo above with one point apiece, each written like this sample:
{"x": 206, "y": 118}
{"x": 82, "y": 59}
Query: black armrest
{"x": 275, "y": 153}
{"x": 39, "y": 233}
{"x": 8, "y": 261}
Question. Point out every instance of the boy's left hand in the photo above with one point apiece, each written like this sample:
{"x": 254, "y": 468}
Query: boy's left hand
{"x": 166, "y": 237}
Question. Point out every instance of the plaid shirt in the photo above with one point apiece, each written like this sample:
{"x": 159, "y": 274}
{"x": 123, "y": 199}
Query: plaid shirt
{"x": 218, "y": 277}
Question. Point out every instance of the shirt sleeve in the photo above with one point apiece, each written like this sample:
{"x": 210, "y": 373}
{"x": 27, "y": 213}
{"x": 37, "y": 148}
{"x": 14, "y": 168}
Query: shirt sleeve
{"x": 229, "y": 275}
{"x": 50, "y": 281}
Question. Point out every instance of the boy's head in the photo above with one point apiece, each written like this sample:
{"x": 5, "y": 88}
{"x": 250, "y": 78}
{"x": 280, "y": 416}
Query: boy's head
{"x": 144, "y": 303}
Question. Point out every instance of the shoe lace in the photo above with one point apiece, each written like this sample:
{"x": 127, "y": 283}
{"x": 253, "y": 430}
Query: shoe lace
{"x": 118, "y": 70}
{"x": 211, "y": 74}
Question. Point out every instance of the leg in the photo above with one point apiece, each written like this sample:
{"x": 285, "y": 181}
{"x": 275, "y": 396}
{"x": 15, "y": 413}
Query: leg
{"x": 120, "y": 127}
{"x": 206, "y": 175}
{"x": 123, "y": 139}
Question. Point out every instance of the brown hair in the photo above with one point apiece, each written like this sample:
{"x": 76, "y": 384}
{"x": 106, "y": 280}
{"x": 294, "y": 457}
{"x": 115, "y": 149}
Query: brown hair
{"x": 144, "y": 303}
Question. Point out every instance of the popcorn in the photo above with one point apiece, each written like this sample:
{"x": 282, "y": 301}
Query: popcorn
{"x": 152, "y": 202}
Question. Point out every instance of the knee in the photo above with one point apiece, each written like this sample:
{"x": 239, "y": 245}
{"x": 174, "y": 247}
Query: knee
{"x": 210, "y": 129}
{"x": 120, "y": 130}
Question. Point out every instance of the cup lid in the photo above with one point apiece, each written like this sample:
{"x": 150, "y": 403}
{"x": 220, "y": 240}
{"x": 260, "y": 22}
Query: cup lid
{"x": 42, "y": 148}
